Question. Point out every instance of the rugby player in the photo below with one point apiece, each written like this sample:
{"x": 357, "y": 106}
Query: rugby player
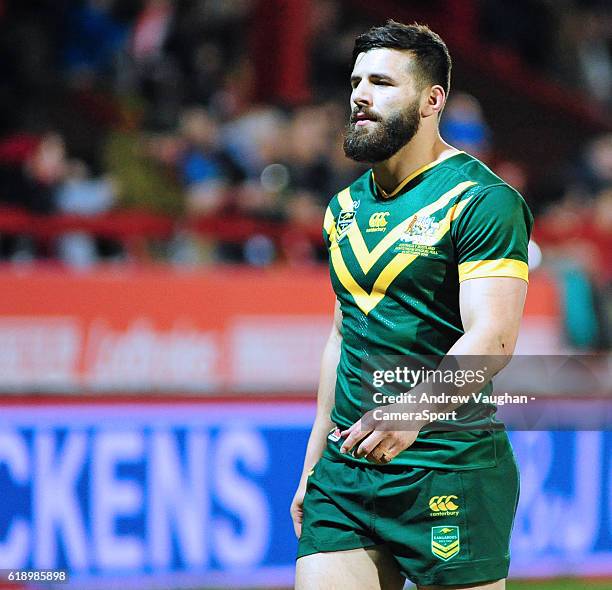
{"x": 428, "y": 258}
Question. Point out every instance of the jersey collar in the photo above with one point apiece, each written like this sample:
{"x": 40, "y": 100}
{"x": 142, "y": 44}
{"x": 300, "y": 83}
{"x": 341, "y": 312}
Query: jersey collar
{"x": 412, "y": 176}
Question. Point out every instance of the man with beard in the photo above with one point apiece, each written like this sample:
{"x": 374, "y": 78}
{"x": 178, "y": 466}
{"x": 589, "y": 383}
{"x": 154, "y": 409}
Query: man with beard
{"x": 428, "y": 260}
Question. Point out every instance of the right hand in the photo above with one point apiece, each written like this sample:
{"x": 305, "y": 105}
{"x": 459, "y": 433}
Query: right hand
{"x": 297, "y": 508}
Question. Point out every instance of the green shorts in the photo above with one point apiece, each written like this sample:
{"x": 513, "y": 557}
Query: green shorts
{"x": 443, "y": 527}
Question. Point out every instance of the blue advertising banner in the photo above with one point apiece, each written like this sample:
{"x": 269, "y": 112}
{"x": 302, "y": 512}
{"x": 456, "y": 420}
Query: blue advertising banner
{"x": 180, "y": 495}
{"x": 563, "y": 524}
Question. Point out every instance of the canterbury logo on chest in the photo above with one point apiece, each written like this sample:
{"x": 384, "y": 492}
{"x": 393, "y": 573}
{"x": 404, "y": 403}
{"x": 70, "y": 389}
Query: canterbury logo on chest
{"x": 378, "y": 221}
{"x": 421, "y": 228}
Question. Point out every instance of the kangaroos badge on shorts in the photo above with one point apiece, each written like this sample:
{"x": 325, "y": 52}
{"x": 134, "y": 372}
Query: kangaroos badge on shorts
{"x": 445, "y": 541}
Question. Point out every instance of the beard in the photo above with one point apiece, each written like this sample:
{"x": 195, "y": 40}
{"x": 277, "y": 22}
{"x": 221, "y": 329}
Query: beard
{"x": 391, "y": 135}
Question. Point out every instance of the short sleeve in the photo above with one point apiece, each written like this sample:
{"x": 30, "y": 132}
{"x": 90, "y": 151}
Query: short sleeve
{"x": 491, "y": 235}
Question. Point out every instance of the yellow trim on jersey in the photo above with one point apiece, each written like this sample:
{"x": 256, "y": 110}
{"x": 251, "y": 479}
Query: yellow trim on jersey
{"x": 368, "y": 301}
{"x": 366, "y": 258}
{"x": 345, "y": 200}
{"x": 504, "y": 267}
{"x": 328, "y": 220}
{"x": 410, "y": 177}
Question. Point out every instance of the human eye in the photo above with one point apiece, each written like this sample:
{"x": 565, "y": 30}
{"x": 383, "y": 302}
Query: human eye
{"x": 382, "y": 82}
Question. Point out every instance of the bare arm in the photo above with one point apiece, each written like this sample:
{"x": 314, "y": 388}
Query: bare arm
{"x": 322, "y": 424}
{"x": 491, "y": 310}
{"x": 325, "y": 395}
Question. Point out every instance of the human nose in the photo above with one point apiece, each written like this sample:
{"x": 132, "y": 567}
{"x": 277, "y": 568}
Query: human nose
{"x": 361, "y": 95}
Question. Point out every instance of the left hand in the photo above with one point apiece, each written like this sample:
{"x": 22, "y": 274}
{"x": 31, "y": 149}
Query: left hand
{"x": 379, "y": 443}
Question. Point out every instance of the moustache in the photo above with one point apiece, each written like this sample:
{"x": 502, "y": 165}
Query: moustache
{"x": 365, "y": 114}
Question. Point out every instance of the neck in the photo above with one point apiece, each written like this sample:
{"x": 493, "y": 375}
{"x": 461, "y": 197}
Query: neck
{"x": 421, "y": 150}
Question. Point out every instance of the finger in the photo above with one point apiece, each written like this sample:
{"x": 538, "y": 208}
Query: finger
{"x": 393, "y": 451}
{"x": 369, "y": 444}
{"x": 380, "y": 456}
{"x": 388, "y": 453}
{"x": 345, "y": 433}
{"x": 355, "y": 427}
{"x": 353, "y": 438}
{"x": 397, "y": 445}
{"x": 383, "y": 456}
{"x": 363, "y": 423}
{"x": 297, "y": 523}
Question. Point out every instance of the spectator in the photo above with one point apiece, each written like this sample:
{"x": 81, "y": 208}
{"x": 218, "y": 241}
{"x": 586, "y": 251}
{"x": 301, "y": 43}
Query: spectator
{"x": 79, "y": 194}
{"x": 36, "y": 179}
{"x": 205, "y": 169}
{"x": 144, "y": 181}
{"x": 584, "y": 48}
{"x": 255, "y": 139}
{"x": 596, "y": 172}
{"x": 93, "y": 38}
{"x": 463, "y": 125}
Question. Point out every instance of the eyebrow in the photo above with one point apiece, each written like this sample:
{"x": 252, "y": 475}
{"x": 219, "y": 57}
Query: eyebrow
{"x": 374, "y": 76}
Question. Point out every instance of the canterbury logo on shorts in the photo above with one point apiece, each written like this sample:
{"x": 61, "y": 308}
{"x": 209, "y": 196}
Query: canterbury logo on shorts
{"x": 444, "y": 505}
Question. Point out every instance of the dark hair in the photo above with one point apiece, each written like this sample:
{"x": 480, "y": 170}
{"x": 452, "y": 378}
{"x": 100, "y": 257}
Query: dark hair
{"x": 432, "y": 60}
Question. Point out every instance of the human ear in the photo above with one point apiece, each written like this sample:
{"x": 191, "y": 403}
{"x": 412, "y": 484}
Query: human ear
{"x": 433, "y": 100}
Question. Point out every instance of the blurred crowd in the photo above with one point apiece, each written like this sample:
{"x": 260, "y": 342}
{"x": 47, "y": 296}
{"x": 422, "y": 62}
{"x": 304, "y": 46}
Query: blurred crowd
{"x": 568, "y": 39}
{"x": 149, "y": 106}
{"x": 161, "y": 120}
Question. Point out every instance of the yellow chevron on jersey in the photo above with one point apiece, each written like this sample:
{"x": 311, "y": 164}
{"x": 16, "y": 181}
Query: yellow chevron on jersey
{"x": 367, "y": 301}
{"x": 367, "y": 258}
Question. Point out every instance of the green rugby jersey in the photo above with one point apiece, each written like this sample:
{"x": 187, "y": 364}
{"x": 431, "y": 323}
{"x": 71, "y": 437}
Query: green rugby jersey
{"x": 396, "y": 263}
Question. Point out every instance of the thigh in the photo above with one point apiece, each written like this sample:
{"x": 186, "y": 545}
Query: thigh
{"x": 371, "y": 568}
{"x": 499, "y": 585}
{"x": 338, "y": 509}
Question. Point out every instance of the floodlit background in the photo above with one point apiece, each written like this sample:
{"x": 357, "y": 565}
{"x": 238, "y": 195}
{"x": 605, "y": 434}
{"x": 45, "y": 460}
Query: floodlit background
{"x": 164, "y": 300}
